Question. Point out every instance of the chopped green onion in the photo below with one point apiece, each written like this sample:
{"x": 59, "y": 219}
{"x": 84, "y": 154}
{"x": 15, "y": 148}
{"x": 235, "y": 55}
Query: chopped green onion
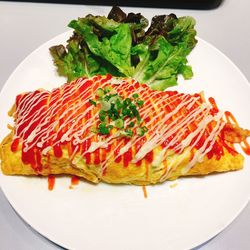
{"x": 129, "y": 132}
{"x": 100, "y": 92}
{"x": 140, "y": 103}
{"x": 102, "y": 115}
{"x": 118, "y": 104}
{"x": 135, "y": 113}
{"x": 131, "y": 125}
{"x": 107, "y": 89}
{"x": 105, "y": 105}
{"x": 114, "y": 109}
{"x": 127, "y": 102}
{"x": 141, "y": 131}
{"x": 119, "y": 123}
{"x": 114, "y": 99}
{"x": 108, "y": 97}
{"x": 132, "y": 106}
{"x": 92, "y": 102}
{"x": 103, "y": 129}
{"x": 113, "y": 113}
{"x": 125, "y": 112}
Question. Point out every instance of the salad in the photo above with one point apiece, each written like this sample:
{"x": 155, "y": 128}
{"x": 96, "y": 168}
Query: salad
{"x": 122, "y": 45}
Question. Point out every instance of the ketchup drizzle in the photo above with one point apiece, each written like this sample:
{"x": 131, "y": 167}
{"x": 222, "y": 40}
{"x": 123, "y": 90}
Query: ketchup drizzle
{"x": 64, "y": 102}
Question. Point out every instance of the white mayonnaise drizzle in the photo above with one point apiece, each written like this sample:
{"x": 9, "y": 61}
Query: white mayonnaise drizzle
{"x": 168, "y": 128}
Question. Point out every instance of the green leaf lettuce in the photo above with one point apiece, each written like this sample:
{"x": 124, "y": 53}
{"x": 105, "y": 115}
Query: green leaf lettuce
{"x": 120, "y": 45}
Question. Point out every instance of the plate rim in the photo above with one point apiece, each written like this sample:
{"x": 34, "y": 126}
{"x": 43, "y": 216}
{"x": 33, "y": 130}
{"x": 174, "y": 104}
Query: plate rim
{"x": 55, "y": 241}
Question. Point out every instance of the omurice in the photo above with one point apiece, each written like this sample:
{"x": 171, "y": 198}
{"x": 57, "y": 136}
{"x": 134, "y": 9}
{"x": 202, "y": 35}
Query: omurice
{"x": 116, "y": 130}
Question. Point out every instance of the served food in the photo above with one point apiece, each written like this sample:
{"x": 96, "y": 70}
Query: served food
{"x": 120, "y": 45}
{"x": 119, "y": 131}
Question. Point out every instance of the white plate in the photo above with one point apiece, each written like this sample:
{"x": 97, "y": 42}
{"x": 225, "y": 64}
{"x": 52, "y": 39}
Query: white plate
{"x": 119, "y": 217}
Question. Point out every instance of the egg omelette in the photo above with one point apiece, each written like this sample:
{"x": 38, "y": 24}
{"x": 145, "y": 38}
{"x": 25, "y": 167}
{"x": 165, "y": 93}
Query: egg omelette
{"x": 119, "y": 131}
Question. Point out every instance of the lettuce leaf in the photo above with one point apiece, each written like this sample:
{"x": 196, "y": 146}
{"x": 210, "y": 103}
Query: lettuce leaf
{"x": 114, "y": 47}
{"x": 163, "y": 53}
{"x": 120, "y": 45}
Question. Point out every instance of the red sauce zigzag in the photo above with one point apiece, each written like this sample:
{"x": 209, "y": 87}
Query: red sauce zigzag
{"x": 47, "y": 122}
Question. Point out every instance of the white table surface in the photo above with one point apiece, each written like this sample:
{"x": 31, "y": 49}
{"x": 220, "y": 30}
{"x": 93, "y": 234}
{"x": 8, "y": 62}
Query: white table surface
{"x": 25, "y": 26}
